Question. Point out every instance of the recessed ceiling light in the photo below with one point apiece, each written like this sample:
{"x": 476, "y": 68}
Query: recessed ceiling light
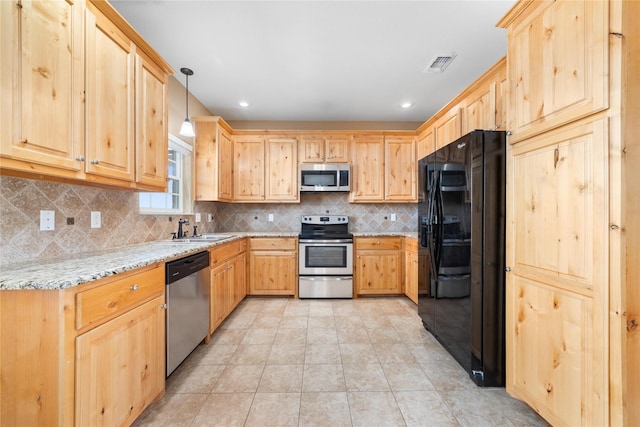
{"x": 243, "y": 104}
{"x": 406, "y": 105}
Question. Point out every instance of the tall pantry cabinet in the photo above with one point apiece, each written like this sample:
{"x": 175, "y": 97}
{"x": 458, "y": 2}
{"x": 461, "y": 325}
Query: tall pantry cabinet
{"x": 573, "y": 227}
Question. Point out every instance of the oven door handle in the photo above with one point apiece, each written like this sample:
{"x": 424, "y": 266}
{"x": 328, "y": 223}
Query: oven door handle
{"x": 325, "y": 242}
{"x": 325, "y": 278}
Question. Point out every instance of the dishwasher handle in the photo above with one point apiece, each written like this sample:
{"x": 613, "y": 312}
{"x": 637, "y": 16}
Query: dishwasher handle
{"x": 183, "y": 267}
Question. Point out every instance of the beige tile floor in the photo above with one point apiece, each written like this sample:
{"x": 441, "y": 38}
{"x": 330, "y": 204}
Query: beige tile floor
{"x": 362, "y": 362}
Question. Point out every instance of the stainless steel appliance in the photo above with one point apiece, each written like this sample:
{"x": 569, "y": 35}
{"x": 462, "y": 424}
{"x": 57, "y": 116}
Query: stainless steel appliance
{"x": 325, "y": 263}
{"x": 325, "y": 177}
{"x": 187, "y": 293}
{"x": 462, "y": 228}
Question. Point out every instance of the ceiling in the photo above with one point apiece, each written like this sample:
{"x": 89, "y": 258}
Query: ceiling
{"x": 322, "y": 60}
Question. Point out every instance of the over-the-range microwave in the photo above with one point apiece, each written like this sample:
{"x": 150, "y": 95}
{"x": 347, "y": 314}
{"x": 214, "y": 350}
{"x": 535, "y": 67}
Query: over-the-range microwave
{"x": 325, "y": 177}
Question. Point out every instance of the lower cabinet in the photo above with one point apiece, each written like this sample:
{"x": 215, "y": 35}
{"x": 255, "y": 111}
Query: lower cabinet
{"x": 273, "y": 266}
{"x": 228, "y": 280}
{"x": 378, "y": 265}
{"x": 411, "y": 269}
{"x": 120, "y": 366}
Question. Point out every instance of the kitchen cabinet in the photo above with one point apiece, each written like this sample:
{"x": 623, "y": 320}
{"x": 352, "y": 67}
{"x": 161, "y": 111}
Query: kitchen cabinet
{"x": 273, "y": 266}
{"x": 42, "y": 109}
{"x": 400, "y": 174}
{"x": 324, "y": 148}
{"x": 426, "y": 142}
{"x": 367, "y": 171}
{"x": 104, "y": 346}
{"x": 282, "y": 169}
{"x": 95, "y": 112}
{"x": 448, "y": 128}
{"x": 213, "y": 159}
{"x": 558, "y": 65}
{"x": 484, "y": 105}
{"x": 151, "y": 124}
{"x": 410, "y": 282}
{"x": 228, "y": 280}
{"x": 378, "y": 265}
{"x": 572, "y": 210}
{"x": 248, "y": 168}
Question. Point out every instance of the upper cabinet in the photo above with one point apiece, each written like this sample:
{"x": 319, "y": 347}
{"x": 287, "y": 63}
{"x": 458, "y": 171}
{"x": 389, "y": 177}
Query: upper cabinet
{"x": 448, "y": 128}
{"x": 383, "y": 168}
{"x": 42, "y": 78}
{"x": 282, "y": 169}
{"x": 248, "y": 168}
{"x": 84, "y": 97}
{"x": 558, "y": 65}
{"x": 323, "y": 147}
{"x": 426, "y": 142}
{"x": 213, "y": 159}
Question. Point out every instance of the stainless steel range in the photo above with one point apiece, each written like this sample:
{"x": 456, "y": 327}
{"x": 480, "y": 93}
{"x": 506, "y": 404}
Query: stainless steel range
{"x": 325, "y": 263}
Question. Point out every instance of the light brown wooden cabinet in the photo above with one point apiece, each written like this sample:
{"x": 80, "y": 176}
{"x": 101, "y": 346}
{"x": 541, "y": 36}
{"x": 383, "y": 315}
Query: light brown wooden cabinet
{"x": 410, "y": 278}
{"x": 558, "y": 65}
{"x": 248, "y": 168}
{"x": 400, "y": 172}
{"x": 282, "y": 169}
{"x": 377, "y": 268}
{"x": 367, "y": 171}
{"x": 95, "y": 111}
{"x": 213, "y": 159}
{"x": 448, "y": 128}
{"x": 228, "y": 280}
{"x": 273, "y": 266}
{"x": 104, "y": 347}
{"x": 323, "y": 147}
{"x": 426, "y": 142}
{"x": 573, "y": 225}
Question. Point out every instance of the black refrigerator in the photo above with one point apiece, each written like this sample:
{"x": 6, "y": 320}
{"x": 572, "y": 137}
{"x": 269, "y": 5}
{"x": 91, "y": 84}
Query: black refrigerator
{"x": 461, "y": 214}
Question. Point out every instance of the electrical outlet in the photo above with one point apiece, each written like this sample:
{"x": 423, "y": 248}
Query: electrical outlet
{"x": 198, "y": 217}
{"x": 209, "y": 217}
{"x": 96, "y": 219}
{"x": 393, "y": 217}
{"x": 270, "y": 217}
{"x": 47, "y": 220}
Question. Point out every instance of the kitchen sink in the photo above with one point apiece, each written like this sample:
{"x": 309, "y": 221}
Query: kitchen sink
{"x": 202, "y": 238}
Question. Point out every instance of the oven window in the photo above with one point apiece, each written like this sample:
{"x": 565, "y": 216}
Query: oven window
{"x": 324, "y": 178}
{"x": 325, "y": 256}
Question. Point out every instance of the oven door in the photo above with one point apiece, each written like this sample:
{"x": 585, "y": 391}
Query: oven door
{"x": 325, "y": 257}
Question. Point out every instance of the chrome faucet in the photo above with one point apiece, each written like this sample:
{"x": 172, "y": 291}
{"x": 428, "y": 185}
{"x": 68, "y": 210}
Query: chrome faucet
{"x": 182, "y": 233}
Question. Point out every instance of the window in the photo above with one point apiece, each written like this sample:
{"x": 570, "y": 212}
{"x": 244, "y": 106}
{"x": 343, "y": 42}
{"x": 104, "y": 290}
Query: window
{"x": 177, "y": 199}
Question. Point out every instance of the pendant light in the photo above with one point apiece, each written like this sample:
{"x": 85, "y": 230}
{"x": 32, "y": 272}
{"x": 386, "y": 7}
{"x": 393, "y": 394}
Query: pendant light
{"x": 187, "y": 128}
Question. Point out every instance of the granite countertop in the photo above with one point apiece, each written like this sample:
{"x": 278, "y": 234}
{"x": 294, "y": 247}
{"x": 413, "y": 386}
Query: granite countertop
{"x": 77, "y": 269}
{"x": 411, "y": 234}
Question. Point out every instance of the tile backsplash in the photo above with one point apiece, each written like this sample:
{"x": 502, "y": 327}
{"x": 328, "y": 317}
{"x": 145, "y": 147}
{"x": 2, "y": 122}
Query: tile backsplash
{"x": 21, "y": 201}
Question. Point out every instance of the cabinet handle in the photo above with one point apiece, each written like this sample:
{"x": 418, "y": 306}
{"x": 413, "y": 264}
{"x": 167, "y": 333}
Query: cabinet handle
{"x": 134, "y": 288}
{"x": 95, "y": 161}
{"x": 230, "y": 267}
{"x": 80, "y": 158}
{"x": 164, "y": 306}
{"x": 378, "y": 242}
{"x": 507, "y": 269}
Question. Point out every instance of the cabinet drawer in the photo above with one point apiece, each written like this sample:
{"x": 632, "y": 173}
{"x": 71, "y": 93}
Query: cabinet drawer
{"x": 220, "y": 254}
{"x": 378, "y": 243}
{"x": 278, "y": 243}
{"x": 103, "y": 301}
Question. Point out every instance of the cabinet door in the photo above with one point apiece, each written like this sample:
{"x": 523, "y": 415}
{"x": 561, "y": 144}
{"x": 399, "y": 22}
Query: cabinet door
{"x": 282, "y": 169}
{"x": 378, "y": 272}
{"x": 42, "y": 69}
{"x": 120, "y": 366}
{"x": 220, "y": 279}
{"x": 558, "y": 65}
{"x": 248, "y": 168}
{"x": 411, "y": 269}
{"x": 110, "y": 99}
{"x": 206, "y": 149}
{"x": 367, "y": 169}
{"x": 426, "y": 142}
{"x": 400, "y": 178}
{"x": 239, "y": 278}
{"x": 151, "y": 125}
{"x": 273, "y": 273}
{"x": 557, "y": 290}
{"x": 225, "y": 166}
{"x": 480, "y": 109}
{"x": 448, "y": 128}
{"x": 336, "y": 149}
{"x": 311, "y": 149}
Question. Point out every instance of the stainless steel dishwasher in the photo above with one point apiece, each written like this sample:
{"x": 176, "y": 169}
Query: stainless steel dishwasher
{"x": 187, "y": 294}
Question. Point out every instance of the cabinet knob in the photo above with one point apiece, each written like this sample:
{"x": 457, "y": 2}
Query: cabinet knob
{"x": 378, "y": 242}
{"x": 164, "y": 306}
{"x": 134, "y": 288}
{"x": 80, "y": 158}
{"x": 507, "y": 269}
{"x": 95, "y": 161}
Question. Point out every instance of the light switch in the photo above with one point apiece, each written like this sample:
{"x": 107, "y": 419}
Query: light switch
{"x": 96, "y": 219}
{"x": 393, "y": 217}
{"x": 47, "y": 220}
{"x": 198, "y": 217}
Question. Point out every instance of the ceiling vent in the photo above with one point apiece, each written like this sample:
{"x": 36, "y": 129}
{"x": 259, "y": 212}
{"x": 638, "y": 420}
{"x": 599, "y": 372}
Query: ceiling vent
{"x": 439, "y": 63}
